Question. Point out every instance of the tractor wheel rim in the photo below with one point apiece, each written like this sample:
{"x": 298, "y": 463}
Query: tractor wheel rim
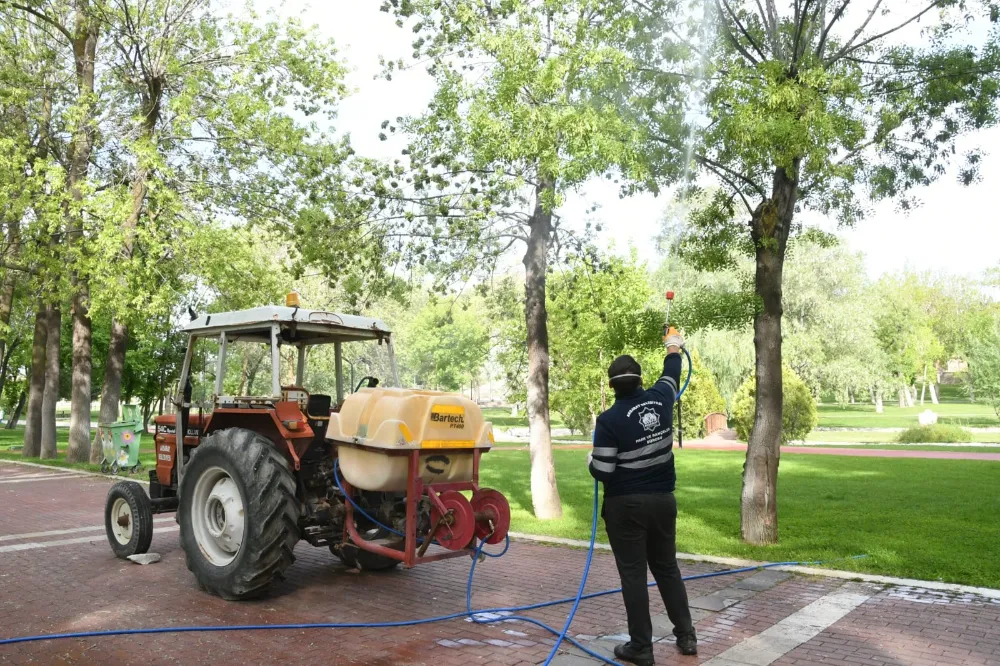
{"x": 121, "y": 521}
{"x": 218, "y": 516}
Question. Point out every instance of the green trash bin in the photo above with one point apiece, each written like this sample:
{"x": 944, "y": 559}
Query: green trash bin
{"x": 120, "y": 442}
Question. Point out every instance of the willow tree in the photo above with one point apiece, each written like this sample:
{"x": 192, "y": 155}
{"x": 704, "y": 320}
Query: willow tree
{"x": 216, "y": 117}
{"x": 520, "y": 116}
{"x": 820, "y": 106}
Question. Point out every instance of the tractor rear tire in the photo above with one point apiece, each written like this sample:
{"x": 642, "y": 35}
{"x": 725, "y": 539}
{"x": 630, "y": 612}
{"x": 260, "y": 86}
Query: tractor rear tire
{"x": 238, "y": 514}
{"x": 128, "y": 519}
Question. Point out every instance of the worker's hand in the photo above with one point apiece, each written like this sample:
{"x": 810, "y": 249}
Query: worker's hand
{"x": 673, "y": 340}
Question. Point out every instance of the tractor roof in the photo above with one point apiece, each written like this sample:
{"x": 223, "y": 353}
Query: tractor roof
{"x": 298, "y": 326}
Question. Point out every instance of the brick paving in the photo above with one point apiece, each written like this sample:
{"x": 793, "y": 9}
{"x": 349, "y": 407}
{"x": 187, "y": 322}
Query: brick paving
{"x": 82, "y": 586}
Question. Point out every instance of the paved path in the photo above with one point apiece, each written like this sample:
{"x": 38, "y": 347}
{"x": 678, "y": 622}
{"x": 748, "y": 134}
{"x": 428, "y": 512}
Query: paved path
{"x": 813, "y": 450}
{"x": 57, "y": 574}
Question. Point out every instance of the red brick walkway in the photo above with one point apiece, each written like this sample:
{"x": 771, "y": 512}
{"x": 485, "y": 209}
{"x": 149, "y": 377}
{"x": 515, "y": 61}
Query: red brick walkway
{"x": 81, "y": 587}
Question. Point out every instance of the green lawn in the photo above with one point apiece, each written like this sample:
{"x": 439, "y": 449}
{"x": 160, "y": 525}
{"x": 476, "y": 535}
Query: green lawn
{"x": 864, "y": 416}
{"x": 830, "y": 416}
{"x": 501, "y": 418}
{"x": 911, "y": 447}
{"x": 147, "y": 455}
{"x": 928, "y": 519}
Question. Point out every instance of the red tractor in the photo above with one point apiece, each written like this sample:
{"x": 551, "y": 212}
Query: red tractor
{"x": 380, "y": 476}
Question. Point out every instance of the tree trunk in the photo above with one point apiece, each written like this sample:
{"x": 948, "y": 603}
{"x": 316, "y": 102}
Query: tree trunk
{"x": 769, "y": 229}
{"x": 5, "y": 365}
{"x": 80, "y": 397}
{"x": 84, "y": 52}
{"x": 878, "y": 403}
{"x": 7, "y": 289}
{"x": 36, "y": 387}
{"x": 111, "y": 391}
{"x": 544, "y": 492}
{"x": 902, "y": 396}
{"x": 244, "y": 371}
{"x": 16, "y": 416}
{"x": 53, "y": 323}
{"x": 934, "y": 395}
{"x": 252, "y": 374}
{"x": 115, "y": 365}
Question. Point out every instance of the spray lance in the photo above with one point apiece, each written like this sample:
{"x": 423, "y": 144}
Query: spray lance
{"x": 669, "y": 330}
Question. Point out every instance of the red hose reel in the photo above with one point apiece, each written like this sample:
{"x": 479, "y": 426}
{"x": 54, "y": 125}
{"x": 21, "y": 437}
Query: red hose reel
{"x": 486, "y": 516}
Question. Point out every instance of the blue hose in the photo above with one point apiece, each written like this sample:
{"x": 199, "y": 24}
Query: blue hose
{"x": 690, "y": 372}
{"x": 400, "y": 623}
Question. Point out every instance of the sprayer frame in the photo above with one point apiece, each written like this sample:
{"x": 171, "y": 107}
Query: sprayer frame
{"x": 415, "y": 490}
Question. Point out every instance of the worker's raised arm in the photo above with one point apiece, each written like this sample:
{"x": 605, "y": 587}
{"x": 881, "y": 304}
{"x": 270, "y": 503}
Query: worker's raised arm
{"x": 604, "y": 457}
{"x": 669, "y": 382}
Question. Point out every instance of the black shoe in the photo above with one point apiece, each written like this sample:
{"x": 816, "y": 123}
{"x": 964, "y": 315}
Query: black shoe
{"x": 687, "y": 644}
{"x": 638, "y": 656}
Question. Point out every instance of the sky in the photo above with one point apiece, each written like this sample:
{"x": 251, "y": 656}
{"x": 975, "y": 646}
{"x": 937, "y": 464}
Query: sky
{"x": 951, "y": 231}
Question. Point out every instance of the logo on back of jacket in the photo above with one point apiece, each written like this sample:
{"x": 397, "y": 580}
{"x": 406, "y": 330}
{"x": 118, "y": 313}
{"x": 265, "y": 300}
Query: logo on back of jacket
{"x": 649, "y": 419}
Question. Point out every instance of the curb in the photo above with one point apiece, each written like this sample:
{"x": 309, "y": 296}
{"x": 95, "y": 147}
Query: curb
{"x": 75, "y": 472}
{"x": 987, "y": 592}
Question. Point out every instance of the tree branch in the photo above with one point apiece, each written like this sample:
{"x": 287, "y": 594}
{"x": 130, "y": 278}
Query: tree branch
{"x": 848, "y": 48}
{"x": 43, "y": 16}
{"x": 826, "y": 31}
{"x": 732, "y": 38}
{"x": 746, "y": 179}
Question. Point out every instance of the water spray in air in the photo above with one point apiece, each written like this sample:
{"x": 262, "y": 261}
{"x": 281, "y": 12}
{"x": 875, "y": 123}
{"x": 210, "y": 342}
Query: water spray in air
{"x": 695, "y": 115}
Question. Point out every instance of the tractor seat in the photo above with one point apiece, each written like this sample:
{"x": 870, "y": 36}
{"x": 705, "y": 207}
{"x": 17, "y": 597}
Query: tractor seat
{"x": 318, "y": 413}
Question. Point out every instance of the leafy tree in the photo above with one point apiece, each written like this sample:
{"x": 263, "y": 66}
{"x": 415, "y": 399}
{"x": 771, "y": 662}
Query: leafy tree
{"x": 447, "y": 345}
{"x": 522, "y": 114}
{"x": 798, "y": 412}
{"x": 222, "y": 121}
{"x": 700, "y": 399}
{"x": 984, "y": 367}
{"x": 598, "y": 309}
{"x": 819, "y": 108}
{"x": 904, "y": 328}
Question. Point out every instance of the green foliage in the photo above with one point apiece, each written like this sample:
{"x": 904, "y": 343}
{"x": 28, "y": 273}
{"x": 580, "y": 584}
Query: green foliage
{"x": 984, "y": 366}
{"x": 938, "y": 433}
{"x": 700, "y": 399}
{"x": 597, "y": 311}
{"x": 522, "y": 112}
{"x": 447, "y": 344}
{"x": 798, "y": 413}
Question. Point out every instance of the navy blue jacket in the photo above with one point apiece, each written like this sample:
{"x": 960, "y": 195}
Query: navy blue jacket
{"x": 633, "y": 440}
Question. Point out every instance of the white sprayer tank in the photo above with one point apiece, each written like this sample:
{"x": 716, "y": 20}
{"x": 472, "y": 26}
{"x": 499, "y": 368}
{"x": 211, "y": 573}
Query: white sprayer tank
{"x": 375, "y": 428}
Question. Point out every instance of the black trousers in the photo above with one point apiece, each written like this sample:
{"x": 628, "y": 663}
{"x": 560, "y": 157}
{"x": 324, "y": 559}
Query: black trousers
{"x": 642, "y": 530}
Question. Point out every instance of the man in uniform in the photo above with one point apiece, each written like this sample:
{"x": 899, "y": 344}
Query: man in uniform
{"x": 633, "y": 456}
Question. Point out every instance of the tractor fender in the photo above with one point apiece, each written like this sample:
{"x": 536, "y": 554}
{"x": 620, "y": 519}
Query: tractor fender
{"x": 270, "y": 423}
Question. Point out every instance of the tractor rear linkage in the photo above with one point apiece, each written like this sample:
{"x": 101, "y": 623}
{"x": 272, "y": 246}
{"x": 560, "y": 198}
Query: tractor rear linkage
{"x": 456, "y": 521}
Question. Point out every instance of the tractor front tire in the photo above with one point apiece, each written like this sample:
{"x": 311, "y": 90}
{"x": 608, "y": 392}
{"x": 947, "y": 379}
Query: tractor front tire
{"x": 238, "y": 514}
{"x": 128, "y": 519}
